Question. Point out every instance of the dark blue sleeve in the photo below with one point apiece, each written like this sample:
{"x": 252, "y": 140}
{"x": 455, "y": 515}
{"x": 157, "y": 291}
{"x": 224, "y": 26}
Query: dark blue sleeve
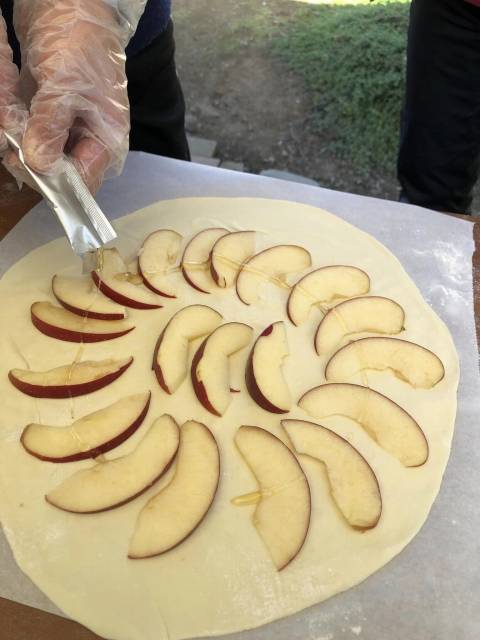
{"x": 153, "y": 21}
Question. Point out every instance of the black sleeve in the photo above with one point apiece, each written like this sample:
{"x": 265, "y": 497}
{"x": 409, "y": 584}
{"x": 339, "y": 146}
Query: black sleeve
{"x": 7, "y": 11}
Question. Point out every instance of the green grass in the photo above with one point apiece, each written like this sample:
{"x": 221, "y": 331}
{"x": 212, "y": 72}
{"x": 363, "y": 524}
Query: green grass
{"x": 352, "y": 58}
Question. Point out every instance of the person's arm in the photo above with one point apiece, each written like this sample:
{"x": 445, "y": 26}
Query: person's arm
{"x": 73, "y": 79}
{"x": 12, "y": 110}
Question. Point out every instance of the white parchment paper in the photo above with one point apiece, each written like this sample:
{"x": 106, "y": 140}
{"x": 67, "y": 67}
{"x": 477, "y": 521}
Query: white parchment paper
{"x": 431, "y": 591}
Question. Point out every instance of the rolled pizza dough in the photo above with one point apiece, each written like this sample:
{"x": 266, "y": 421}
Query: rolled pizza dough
{"x": 221, "y": 579}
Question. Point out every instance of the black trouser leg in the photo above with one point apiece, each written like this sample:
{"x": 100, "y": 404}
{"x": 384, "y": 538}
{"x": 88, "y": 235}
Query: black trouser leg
{"x": 157, "y": 105}
{"x": 439, "y": 156}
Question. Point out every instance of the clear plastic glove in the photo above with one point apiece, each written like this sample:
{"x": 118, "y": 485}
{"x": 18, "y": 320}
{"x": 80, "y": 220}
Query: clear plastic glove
{"x": 13, "y": 115}
{"x": 74, "y": 84}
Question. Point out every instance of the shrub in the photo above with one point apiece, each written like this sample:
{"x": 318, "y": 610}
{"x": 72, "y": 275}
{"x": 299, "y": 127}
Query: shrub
{"x": 352, "y": 58}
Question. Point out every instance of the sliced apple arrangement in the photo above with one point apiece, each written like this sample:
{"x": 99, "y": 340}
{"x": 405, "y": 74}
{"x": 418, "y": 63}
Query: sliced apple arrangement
{"x": 408, "y": 361}
{"x": 264, "y": 377}
{"x": 171, "y": 515}
{"x": 113, "y": 483}
{"x": 384, "y": 420}
{"x": 82, "y": 297}
{"x": 322, "y": 286}
{"x": 93, "y": 309}
{"x": 282, "y": 511}
{"x": 90, "y": 436}
{"x": 353, "y": 483}
{"x": 273, "y": 264}
{"x": 228, "y": 255}
{"x": 114, "y": 280}
{"x": 177, "y": 510}
{"x": 71, "y": 380}
{"x": 57, "y": 322}
{"x": 170, "y": 359}
{"x": 371, "y": 314}
{"x": 157, "y": 258}
{"x": 210, "y": 370}
{"x": 196, "y": 260}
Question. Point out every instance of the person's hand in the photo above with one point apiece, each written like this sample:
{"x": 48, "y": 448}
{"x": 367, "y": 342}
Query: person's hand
{"x": 73, "y": 78}
{"x": 12, "y": 110}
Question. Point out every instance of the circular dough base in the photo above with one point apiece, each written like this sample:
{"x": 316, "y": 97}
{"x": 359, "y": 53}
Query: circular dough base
{"x": 221, "y": 579}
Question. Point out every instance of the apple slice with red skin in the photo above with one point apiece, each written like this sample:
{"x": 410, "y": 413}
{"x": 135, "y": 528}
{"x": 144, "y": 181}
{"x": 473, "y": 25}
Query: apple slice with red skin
{"x": 210, "y": 375}
{"x": 282, "y": 513}
{"x": 353, "y": 484}
{"x": 90, "y": 436}
{"x": 324, "y": 285}
{"x": 263, "y": 375}
{"x": 81, "y": 296}
{"x": 112, "y": 278}
{"x": 228, "y": 255}
{"x": 370, "y": 314}
{"x": 196, "y": 259}
{"x": 384, "y": 420}
{"x": 158, "y": 255}
{"x": 272, "y": 264}
{"x": 170, "y": 359}
{"x": 177, "y": 510}
{"x": 57, "y": 322}
{"x": 113, "y": 483}
{"x": 70, "y": 380}
{"x": 408, "y": 361}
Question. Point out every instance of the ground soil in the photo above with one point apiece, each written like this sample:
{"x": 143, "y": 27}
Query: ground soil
{"x": 243, "y": 97}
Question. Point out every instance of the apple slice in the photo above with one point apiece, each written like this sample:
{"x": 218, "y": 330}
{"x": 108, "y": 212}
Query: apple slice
{"x": 90, "y": 436}
{"x": 228, "y": 255}
{"x": 170, "y": 359}
{"x": 173, "y": 514}
{"x": 113, "y": 279}
{"x": 324, "y": 285}
{"x": 64, "y": 325}
{"x": 282, "y": 514}
{"x": 210, "y": 375}
{"x": 109, "y": 261}
{"x": 196, "y": 259}
{"x": 156, "y": 258}
{"x": 353, "y": 483}
{"x": 70, "y": 380}
{"x": 408, "y": 361}
{"x": 272, "y": 264}
{"x": 263, "y": 375}
{"x": 115, "y": 482}
{"x": 81, "y": 296}
{"x": 384, "y": 420}
{"x": 372, "y": 314}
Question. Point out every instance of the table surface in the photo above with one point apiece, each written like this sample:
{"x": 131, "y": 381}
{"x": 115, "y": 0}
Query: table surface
{"x": 20, "y": 622}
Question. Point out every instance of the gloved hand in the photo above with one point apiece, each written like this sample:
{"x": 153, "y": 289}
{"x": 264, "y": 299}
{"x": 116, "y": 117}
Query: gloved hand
{"x": 12, "y": 110}
{"x": 74, "y": 84}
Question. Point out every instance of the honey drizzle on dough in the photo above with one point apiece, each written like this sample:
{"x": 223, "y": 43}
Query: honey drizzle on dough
{"x": 248, "y": 498}
{"x": 76, "y": 360}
